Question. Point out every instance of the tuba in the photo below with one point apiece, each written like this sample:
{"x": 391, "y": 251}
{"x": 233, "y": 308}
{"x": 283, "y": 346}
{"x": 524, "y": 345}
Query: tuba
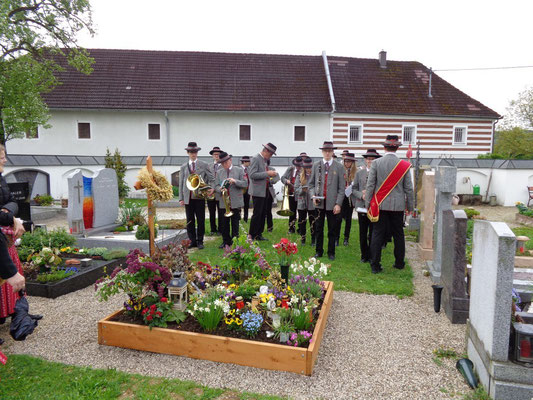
{"x": 196, "y": 184}
{"x": 285, "y": 210}
{"x": 226, "y": 197}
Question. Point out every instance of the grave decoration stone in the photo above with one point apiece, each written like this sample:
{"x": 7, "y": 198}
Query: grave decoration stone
{"x": 445, "y": 180}
{"x": 75, "y": 202}
{"x": 427, "y": 215}
{"x": 21, "y": 195}
{"x": 454, "y": 295}
{"x": 489, "y": 323}
{"x": 93, "y": 202}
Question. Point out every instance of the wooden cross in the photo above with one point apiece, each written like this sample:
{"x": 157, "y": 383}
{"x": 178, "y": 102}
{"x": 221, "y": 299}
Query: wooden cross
{"x": 151, "y": 210}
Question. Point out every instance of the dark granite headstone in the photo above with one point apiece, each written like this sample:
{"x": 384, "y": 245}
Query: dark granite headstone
{"x": 453, "y": 266}
{"x": 21, "y": 194}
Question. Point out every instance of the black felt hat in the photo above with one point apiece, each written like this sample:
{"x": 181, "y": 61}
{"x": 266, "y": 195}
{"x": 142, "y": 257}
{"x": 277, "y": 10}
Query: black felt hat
{"x": 192, "y": 147}
{"x": 270, "y": 147}
{"x": 372, "y": 153}
{"x": 216, "y": 149}
{"x": 392, "y": 141}
{"x": 328, "y": 146}
{"x": 223, "y": 156}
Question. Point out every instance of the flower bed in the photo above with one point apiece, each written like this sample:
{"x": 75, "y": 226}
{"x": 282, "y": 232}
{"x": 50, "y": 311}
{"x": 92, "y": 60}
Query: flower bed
{"x": 85, "y": 276}
{"x": 252, "y": 353}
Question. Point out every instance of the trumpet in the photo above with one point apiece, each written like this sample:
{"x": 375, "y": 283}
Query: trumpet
{"x": 285, "y": 210}
{"x": 226, "y": 197}
{"x": 196, "y": 184}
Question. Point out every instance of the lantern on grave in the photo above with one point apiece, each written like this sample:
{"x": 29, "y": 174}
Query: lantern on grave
{"x": 177, "y": 291}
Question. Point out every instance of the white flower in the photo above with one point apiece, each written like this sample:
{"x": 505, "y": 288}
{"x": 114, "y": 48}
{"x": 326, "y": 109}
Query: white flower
{"x": 306, "y": 309}
{"x": 296, "y": 312}
{"x": 323, "y": 269}
{"x": 306, "y": 264}
{"x": 263, "y": 289}
{"x": 195, "y": 307}
{"x": 294, "y": 299}
{"x": 311, "y": 269}
{"x": 312, "y": 260}
{"x": 304, "y": 302}
{"x": 207, "y": 309}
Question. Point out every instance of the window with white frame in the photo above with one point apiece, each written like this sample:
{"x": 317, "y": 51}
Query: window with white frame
{"x": 84, "y": 130}
{"x": 245, "y": 132}
{"x": 299, "y": 133}
{"x": 32, "y": 133}
{"x": 459, "y": 135}
{"x": 355, "y": 134}
{"x": 154, "y": 131}
{"x": 409, "y": 135}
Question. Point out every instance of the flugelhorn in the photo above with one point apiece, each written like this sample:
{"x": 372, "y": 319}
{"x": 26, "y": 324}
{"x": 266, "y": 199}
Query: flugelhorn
{"x": 226, "y": 197}
{"x": 196, "y": 184}
{"x": 285, "y": 210}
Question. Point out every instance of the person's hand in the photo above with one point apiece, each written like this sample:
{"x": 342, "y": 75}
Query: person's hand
{"x": 336, "y": 209}
{"x": 291, "y": 186}
{"x": 18, "y": 227}
{"x": 182, "y": 203}
{"x": 231, "y": 181}
{"x": 5, "y": 210}
{"x": 17, "y": 281}
{"x": 316, "y": 202}
{"x": 210, "y": 192}
{"x": 271, "y": 173}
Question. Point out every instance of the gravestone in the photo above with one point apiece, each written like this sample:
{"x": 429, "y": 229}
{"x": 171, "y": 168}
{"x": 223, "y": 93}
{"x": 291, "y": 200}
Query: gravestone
{"x": 427, "y": 215}
{"x": 75, "y": 202}
{"x": 445, "y": 179}
{"x": 453, "y": 267}
{"x": 488, "y": 327}
{"x": 105, "y": 197}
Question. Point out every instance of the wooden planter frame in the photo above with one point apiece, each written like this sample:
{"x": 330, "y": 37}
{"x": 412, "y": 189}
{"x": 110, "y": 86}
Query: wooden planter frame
{"x": 218, "y": 348}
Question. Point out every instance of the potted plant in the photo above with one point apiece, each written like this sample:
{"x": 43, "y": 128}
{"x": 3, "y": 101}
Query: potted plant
{"x": 285, "y": 249}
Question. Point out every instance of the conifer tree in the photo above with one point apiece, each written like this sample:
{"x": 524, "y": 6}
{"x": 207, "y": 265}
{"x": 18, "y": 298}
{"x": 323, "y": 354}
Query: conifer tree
{"x": 115, "y": 161}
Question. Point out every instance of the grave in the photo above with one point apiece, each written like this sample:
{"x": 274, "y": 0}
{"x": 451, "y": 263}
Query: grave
{"x": 445, "y": 178}
{"x": 21, "y": 195}
{"x": 453, "y": 267}
{"x": 488, "y": 327}
{"x": 427, "y": 214}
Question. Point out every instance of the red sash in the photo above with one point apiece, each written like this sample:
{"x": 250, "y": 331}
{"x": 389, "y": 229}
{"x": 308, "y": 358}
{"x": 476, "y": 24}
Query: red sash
{"x": 386, "y": 188}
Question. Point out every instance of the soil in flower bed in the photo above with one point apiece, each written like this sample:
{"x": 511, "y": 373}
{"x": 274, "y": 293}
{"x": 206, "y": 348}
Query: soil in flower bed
{"x": 191, "y": 325}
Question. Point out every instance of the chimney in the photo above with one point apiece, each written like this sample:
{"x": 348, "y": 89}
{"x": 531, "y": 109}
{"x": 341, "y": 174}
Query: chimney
{"x": 383, "y": 59}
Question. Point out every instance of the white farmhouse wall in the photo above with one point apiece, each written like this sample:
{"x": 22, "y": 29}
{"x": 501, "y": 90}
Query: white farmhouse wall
{"x": 128, "y": 131}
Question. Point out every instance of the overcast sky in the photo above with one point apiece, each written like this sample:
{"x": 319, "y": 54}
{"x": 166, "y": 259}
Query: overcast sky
{"x": 441, "y": 35}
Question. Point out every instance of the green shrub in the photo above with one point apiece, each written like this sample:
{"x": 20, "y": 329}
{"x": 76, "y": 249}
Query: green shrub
{"x": 97, "y": 251}
{"x": 131, "y": 214}
{"x": 143, "y": 233}
{"x": 24, "y": 253}
{"x": 176, "y": 191}
{"x": 113, "y": 254}
{"x": 121, "y": 229}
{"x": 57, "y": 238}
{"x": 44, "y": 200}
{"x": 54, "y": 276}
{"x": 470, "y": 212}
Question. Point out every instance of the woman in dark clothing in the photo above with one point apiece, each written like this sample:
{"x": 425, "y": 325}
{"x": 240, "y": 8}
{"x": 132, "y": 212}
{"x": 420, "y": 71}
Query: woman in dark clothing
{"x": 8, "y": 208}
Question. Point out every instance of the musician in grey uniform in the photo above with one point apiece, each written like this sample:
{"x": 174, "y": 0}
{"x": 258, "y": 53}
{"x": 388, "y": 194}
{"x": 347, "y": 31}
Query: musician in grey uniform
{"x": 305, "y": 202}
{"x": 288, "y": 179}
{"x": 212, "y": 205}
{"x": 358, "y": 199}
{"x": 273, "y": 199}
{"x": 245, "y": 161}
{"x": 259, "y": 179}
{"x": 232, "y": 179}
{"x": 194, "y": 204}
{"x": 347, "y": 205}
{"x": 392, "y": 208}
{"x": 327, "y": 187}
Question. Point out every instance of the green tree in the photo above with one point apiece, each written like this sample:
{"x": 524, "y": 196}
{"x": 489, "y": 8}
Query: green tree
{"x": 514, "y": 143}
{"x": 115, "y": 161}
{"x": 520, "y": 111}
{"x": 35, "y": 36}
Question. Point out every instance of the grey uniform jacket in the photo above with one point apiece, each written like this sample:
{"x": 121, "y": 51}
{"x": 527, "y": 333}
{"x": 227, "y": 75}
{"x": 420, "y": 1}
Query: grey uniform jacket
{"x": 235, "y": 190}
{"x": 335, "y": 186}
{"x": 213, "y": 169}
{"x": 286, "y": 177}
{"x": 359, "y": 184}
{"x": 303, "y": 197}
{"x": 401, "y": 198}
{"x": 273, "y": 180}
{"x": 258, "y": 176}
{"x": 202, "y": 170}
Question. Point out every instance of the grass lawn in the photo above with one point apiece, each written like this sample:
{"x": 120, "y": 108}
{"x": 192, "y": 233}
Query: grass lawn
{"x": 346, "y": 271}
{"x": 525, "y": 231}
{"x": 25, "y": 377}
{"x": 140, "y": 202}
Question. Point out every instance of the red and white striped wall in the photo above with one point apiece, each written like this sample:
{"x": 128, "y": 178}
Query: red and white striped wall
{"x": 436, "y": 134}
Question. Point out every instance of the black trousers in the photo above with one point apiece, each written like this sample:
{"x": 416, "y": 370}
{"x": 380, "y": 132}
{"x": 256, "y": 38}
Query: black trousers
{"x": 227, "y": 224}
{"x": 212, "y": 205}
{"x": 302, "y": 218}
{"x": 365, "y": 235}
{"x": 268, "y": 213}
{"x": 195, "y": 213}
{"x": 257, "y": 222}
{"x": 293, "y": 205}
{"x": 392, "y": 222}
{"x": 346, "y": 215}
{"x": 246, "y": 198}
{"x": 332, "y": 221}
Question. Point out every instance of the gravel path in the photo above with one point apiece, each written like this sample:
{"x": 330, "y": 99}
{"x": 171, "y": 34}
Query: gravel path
{"x": 374, "y": 347}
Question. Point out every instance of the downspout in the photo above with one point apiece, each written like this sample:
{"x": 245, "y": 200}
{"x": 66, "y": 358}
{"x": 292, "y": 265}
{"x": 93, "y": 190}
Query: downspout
{"x": 167, "y": 129}
{"x": 331, "y": 94}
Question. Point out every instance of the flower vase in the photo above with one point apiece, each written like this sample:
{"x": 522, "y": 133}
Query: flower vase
{"x": 285, "y": 273}
{"x": 284, "y": 337}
